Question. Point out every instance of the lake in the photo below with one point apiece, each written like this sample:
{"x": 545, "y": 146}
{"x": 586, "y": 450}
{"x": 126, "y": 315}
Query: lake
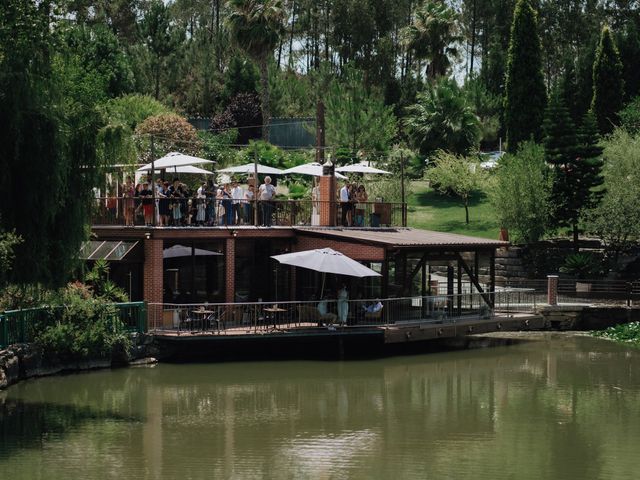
{"x": 555, "y": 407}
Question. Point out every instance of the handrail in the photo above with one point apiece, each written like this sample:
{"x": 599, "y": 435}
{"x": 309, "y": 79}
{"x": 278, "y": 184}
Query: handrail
{"x": 18, "y": 326}
{"x": 247, "y": 317}
{"x": 194, "y": 211}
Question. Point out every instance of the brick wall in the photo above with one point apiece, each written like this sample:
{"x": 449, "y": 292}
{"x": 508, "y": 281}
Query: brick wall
{"x": 153, "y": 278}
{"x": 357, "y": 251}
{"x": 327, "y": 199}
{"x": 230, "y": 270}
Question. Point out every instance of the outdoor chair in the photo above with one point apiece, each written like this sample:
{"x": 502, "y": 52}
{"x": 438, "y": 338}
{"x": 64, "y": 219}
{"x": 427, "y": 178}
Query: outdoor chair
{"x": 216, "y": 319}
{"x": 373, "y": 316}
{"x": 310, "y": 314}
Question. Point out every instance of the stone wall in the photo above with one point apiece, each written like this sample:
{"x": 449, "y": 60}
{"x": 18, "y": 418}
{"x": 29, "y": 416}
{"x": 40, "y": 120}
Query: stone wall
{"x": 23, "y": 361}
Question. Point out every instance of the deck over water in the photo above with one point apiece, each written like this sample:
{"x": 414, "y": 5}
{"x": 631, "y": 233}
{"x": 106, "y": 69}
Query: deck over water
{"x": 310, "y": 340}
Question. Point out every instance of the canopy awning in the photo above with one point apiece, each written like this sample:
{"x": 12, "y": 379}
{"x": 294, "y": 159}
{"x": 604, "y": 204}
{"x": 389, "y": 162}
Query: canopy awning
{"x": 113, "y": 251}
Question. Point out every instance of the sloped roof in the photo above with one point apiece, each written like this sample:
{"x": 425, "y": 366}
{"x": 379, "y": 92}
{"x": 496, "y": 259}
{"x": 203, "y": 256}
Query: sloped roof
{"x": 405, "y": 237}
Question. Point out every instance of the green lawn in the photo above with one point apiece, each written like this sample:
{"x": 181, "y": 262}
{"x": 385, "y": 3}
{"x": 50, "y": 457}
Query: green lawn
{"x": 432, "y": 211}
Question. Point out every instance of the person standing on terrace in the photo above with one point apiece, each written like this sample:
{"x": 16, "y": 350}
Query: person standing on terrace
{"x": 147, "y": 203}
{"x": 265, "y": 195}
{"x": 128, "y": 192}
{"x": 237, "y": 193}
{"x": 345, "y": 203}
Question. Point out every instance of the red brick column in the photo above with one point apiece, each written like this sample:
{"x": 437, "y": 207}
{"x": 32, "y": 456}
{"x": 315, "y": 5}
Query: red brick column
{"x": 230, "y": 270}
{"x": 327, "y": 200}
{"x": 552, "y": 289}
{"x": 153, "y": 280}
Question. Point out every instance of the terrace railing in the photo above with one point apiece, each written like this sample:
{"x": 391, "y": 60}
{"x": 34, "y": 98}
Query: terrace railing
{"x": 23, "y": 326}
{"x": 268, "y": 316}
{"x": 130, "y": 211}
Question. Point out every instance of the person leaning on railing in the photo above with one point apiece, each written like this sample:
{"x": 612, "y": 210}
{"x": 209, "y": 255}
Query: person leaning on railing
{"x": 265, "y": 195}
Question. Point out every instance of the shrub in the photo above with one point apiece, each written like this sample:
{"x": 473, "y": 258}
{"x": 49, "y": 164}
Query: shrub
{"x": 521, "y": 192}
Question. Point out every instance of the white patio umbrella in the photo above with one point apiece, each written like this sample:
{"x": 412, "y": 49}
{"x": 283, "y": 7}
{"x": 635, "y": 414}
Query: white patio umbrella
{"x": 361, "y": 168}
{"x": 187, "y": 169}
{"x": 175, "y": 159}
{"x": 326, "y": 260}
{"x": 314, "y": 169}
{"x": 185, "y": 251}
{"x": 249, "y": 168}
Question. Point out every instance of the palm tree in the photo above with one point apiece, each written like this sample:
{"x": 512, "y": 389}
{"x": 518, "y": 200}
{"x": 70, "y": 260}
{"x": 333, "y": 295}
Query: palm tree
{"x": 433, "y": 35}
{"x": 442, "y": 118}
{"x": 255, "y": 27}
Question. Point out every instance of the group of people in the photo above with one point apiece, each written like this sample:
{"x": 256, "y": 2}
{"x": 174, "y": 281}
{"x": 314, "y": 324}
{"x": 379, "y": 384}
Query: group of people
{"x": 341, "y": 314}
{"x": 352, "y": 200}
{"x": 177, "y": 205}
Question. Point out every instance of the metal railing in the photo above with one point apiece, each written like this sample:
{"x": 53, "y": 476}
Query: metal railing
{"x": 191, "y": 212}
{"x": 580, "y": 291}
{"x": 22, "y": 326}
{"x": 260, "y": 317}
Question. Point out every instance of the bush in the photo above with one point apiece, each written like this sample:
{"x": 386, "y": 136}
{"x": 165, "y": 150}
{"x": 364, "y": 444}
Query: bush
{"x": 85, "y": 327}
{"x": 521, "y": 192}
{"x": 582, "y": 265}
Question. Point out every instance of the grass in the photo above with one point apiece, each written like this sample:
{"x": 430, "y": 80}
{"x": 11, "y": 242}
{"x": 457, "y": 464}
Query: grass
{"x": 429, "y": 210}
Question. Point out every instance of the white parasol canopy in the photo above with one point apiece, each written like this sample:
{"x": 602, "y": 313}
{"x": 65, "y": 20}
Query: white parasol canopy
{"x": 185, "y": 251}
{"x": 186, "y": 169}
{"x": 250, "y": 168}
{"x": 175, "y": 159}
{"x": 361, "y": 168}
{"x": 326, "y": 260}
{"x": 314, "y": 169}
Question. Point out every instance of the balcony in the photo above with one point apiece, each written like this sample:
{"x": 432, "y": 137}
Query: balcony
{"x": 196, "y": 212}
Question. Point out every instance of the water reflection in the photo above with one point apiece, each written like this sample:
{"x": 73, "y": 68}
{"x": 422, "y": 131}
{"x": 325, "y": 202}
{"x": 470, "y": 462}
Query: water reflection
{"x": 555, "y": 408}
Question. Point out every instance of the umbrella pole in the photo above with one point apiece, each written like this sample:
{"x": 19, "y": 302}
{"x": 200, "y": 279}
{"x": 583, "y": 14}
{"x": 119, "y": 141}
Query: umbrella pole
{"x": 322, "y": 287}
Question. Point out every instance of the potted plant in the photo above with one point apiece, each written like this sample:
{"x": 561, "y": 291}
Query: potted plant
{"x": 581, "y": 266}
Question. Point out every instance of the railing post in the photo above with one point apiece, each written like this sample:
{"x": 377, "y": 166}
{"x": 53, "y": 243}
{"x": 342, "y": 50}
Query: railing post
{"x": 552, "y": 290}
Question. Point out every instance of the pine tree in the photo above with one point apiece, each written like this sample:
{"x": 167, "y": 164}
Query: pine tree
{"x": 577, "y": 164}
{"x": 608, "y": 83}
{"x": 569, "y": 89}
{"x": 526, "y": 96}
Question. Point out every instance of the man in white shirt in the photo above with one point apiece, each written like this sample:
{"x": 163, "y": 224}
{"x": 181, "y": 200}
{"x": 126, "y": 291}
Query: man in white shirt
{"x": 344, "y": 203}
{"x": 237, "y": 193}
{"x": 265, "y": 195}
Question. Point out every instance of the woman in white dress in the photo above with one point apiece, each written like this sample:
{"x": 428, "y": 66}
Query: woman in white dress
{"x": 315, "y": 203}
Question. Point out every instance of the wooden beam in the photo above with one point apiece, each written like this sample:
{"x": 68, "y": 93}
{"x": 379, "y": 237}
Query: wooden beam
{"x": 474, "y": 279}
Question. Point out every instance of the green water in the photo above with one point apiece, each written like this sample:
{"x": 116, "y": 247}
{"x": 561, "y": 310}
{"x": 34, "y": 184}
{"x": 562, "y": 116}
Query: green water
{"x": 555, "y": 408}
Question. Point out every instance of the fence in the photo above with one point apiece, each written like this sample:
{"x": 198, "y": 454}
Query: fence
{"x": 577, "y": 291}
{"x": 266, "y": 316}
{"x": 22, "y": 326}
{"x": 185, "y": 212}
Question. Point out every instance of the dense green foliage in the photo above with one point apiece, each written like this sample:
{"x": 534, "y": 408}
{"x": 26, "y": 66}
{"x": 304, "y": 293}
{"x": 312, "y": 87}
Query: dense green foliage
{"x": 521, "y": 193}
{"x": 526, "y": 95}
{"x": 625, "y": 333}
{"x": 608, "y": 83}
{"x": 616, "y": 220}
{"x": 443, "y": 118}
{"x": 458, "y": 175}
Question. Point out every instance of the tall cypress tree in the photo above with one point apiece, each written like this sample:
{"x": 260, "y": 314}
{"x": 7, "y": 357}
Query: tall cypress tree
{"x": 608, "y": 83}
{"x": 577, "y": 162}
{"x": 526, "y": 96}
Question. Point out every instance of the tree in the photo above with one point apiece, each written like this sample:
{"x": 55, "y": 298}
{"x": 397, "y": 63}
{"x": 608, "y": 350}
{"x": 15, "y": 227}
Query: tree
{"x": 433, "y": 36}
{"x": 616, "y": 220}
{"x": 160, "y": 37}
{"x": 242, "y": 113}
{"x": 168, "y": 132}
{"x": 526, "y": 95}
{"x": 608, "y": 83}
{"x": 629, "y": 53}
{"x": 121, "y": 116}
{"x": 458, "y": 175}
{"x": 576, "y": 162}
{"x": 630, "y": 116}
{"x": 443, "y": 119}
{"x": 255, "y": 27}
{"x": 47, "y": 141}
{"x": 356, "y": 118}
{"x": 521, "y": 193}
